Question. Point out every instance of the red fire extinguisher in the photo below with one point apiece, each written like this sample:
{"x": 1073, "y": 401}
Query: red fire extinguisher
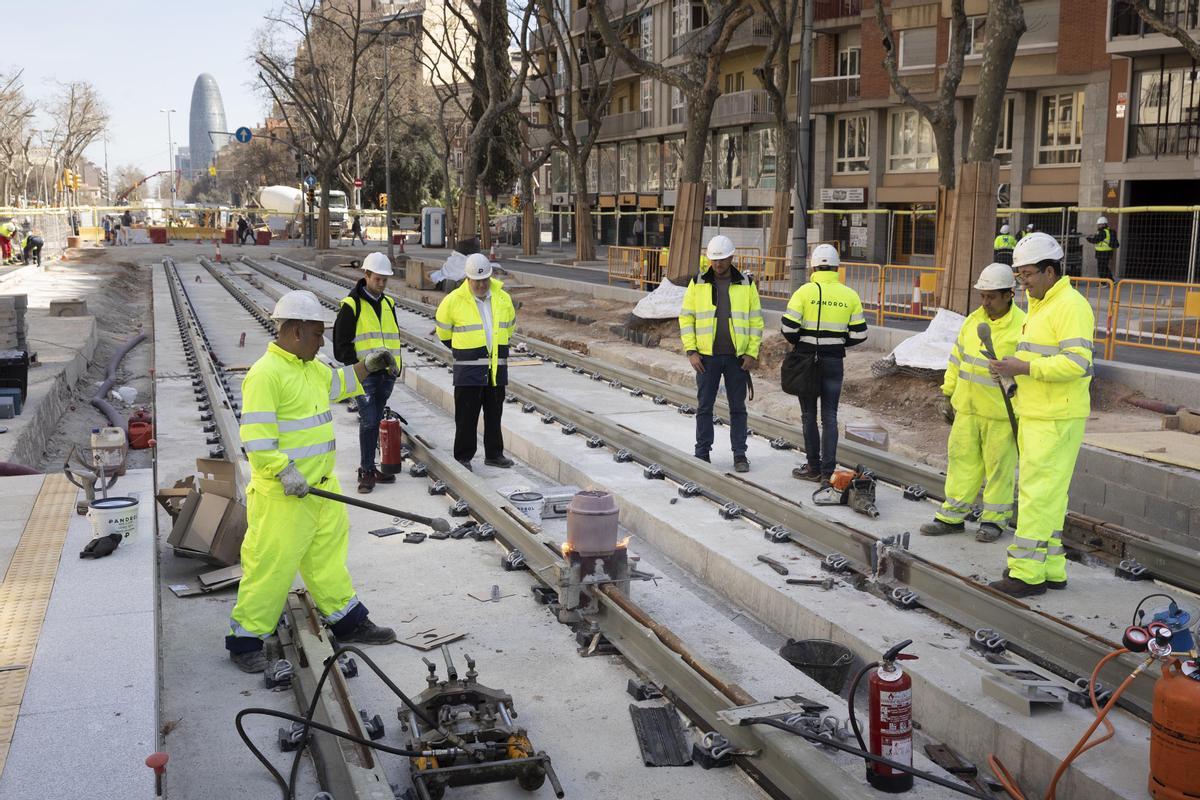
{"x": 889, "y": 691}
{"x": 391, "y": 449}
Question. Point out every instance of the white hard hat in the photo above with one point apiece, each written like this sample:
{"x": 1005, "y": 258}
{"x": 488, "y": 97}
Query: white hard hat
{"x": 300, "y": 304}
{"x": 1029, "y": 227}
{"x": 1036, "y": 248}
{"x": 824, "y": 255}
{"x": 720, "y": 247}
{"x": 479, "y": 266}
{"x": 377, "y": 263}
{"x": 1102, "y": 221}
{"x": 1004, "y": 229}
{"x": 996, "y": 276}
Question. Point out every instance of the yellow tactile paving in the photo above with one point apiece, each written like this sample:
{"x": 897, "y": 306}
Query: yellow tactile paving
{"x": 25, "y": 593}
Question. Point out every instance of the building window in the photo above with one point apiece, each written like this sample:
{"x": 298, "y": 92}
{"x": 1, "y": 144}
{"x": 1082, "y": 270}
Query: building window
{"x": 848, "y": 62}
{"x": 681, "y": 11}
{"x": 729, "y": 155}
{"x": 918, "y": 48}
{"x": 648, "y": 167}
{"x": 646, "y": 102}
{"x": 1041, "y": 25}
{"x": 735, "y": 82}
{"x": 608, "y": 169}
{"x": 672, "y": 163}
{"x": 560, "y": 177}
{"x": 1060, "y": 128}
{"x": 1004, "y": 135}
{"x": 977, "y": 36}
{"x": 646, "y": 31}
{"x": 628, "y": 166}
{"x": 911, "y": 146}
{"x": 593, "y": 171}
{"x": 852, "y": 144}
{"x": 678, "y": 106}
{"x": 1167, "y": 113}
{"x": 762, "y": 170}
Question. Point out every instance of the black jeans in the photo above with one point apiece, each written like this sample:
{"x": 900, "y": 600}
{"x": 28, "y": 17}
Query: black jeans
{"x": 468, "y": 401}
{"x": 1104, "y": 264}
{"x": 377, "y": 389}
{"x": 707, "y": 384}
{"x": 820, "y": 447}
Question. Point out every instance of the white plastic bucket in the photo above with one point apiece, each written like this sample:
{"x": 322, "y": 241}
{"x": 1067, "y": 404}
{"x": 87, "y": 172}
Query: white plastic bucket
{"x": 115, "y": 515}
{"x": 530, "y": 504}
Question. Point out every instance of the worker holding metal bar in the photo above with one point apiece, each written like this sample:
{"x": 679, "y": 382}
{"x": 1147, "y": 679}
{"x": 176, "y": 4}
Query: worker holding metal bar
{"x": 982, "y": 444}
{"x": 287, "y": 433}
{"x": 476, "y": 321}
{"x": 721, "y": 324}
{"x": 1053, "y": 370}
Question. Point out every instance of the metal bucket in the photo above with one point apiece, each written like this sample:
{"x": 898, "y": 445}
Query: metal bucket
{"x": 828, "y": 663}
{"x": 113, "y": 515}
{"x": 530, "y": 504}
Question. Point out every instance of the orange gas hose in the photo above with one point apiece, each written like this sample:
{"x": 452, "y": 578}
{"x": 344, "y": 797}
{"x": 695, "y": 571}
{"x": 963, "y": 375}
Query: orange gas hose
{"x": 1082, "y": 746}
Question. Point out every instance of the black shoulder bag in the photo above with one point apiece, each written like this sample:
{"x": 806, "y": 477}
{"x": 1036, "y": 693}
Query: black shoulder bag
{"x": 800, "y": 373}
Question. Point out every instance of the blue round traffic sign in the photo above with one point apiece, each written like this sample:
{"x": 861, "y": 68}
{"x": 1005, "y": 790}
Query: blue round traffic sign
{"x": 242, "y": 134}
{"x": 310, "y": 181}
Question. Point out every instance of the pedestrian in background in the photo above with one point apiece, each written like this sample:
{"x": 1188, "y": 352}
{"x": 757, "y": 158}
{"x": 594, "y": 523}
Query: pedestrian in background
{"x": 721, "y": 325}
{"x": 1053, "y": 370}
{"x": 476, "y": 321}
{"x": 982, "y": 445}
{"x": 1002, "y": 246}
{"x": 1105, "y": 242}
{"x": 107, "y": 225}
{"x": 823, "y": 317}
{"x": 356, "y": 231}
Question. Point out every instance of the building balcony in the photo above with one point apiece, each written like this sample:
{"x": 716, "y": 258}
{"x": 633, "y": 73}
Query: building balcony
{"x": 835, "y": 90}
{"x": 541, "y": 88}
{"x": 613, "y": 125}
{"x": 602, "y": 67}
{"x": 616, "y": 9}
{"x": 1130, "y": 33}
{"x": 686, "y": 43}
{"x": 1167, "y": 139}
{"x": 755, "y": 32}
{"x": 832, "y": 13}
{"x": 750, "y": 107}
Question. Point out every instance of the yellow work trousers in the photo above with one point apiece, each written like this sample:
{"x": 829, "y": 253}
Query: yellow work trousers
{"x": 288, "y": 534}
{"x": 1049, "y": 448}
{"x": 979, "y": 449}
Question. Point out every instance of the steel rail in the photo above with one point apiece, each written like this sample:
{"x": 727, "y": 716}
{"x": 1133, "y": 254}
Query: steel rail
{"x": 1047, "y": 640}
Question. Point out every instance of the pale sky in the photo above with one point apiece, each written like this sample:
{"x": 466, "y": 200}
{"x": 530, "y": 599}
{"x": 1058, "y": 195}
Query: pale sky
{"x": 141, "y": 56}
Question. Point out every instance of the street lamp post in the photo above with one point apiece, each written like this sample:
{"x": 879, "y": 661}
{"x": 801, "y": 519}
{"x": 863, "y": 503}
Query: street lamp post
{"x": 170, "y": 157}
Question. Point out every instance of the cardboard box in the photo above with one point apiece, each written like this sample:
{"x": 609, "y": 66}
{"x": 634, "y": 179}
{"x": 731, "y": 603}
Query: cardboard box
{"x": 211, "y": 522}
{"x": 416, "y": 274}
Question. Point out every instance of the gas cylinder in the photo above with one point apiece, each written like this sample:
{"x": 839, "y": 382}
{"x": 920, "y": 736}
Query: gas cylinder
{"x": 390, "y": 445}
{"x": 890, "y": 708}
{"x": 1175, "y": 732}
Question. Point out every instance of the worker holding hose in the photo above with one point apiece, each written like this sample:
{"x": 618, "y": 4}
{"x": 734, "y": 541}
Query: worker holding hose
{"x": 1053, "y": 370}
{"x": 287, "y": 433}
{"x": 982, "y": 441}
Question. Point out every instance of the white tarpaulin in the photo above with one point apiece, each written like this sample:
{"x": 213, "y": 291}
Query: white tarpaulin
{"x": 930, "y": 349}
{"x": 665, "y": 302}
{"x": 455, "y": 269}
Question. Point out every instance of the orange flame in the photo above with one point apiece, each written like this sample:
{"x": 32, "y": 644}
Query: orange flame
{"x": 566, "y": 549}
{"x": 621, "y": 545}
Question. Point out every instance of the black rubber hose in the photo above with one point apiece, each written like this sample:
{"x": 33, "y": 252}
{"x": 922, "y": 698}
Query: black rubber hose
{"x": 100, "y": 400}
{"x": 850, "y": 702}
{"x": 818, "y": 739}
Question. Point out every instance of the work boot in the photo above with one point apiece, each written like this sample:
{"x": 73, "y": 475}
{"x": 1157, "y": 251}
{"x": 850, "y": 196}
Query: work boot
{"x": 1055, "y": 585}
{"x": 366, "y": 480}
{"x": 741, "y": 464}
{"x": 466, "y": 465}
{"x": 988, "y": 532}
{"x": 368, "y": 632}
{"x": 253, "y": 662}
{"x": 1017, "y": 588}
{"x": 384, "y": 477}
{"x": 501, "y": 461}
{"x": 704, "y": 457}
{"x": 939, "y": 528}
{"x": 807, "y": 472}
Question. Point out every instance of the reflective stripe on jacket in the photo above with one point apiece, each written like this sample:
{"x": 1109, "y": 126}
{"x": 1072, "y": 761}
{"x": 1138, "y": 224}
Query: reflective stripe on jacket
{"x": 1004, "y": 241}
{"x": 842, "y": 323}
{"x": 370, "y": 331}
{"x": 460, "y": 326}
{"x": 968, "y": 383}
{"x": 1105, "y": 243}
{"x": 286, "y": 416}
{"x": 1057, "y": 343}
{"x": 697, "y": 318}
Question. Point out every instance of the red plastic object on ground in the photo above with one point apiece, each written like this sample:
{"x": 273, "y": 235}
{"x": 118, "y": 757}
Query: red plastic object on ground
{"x": 390, "y": 445}
{"x": 230, "y": 236}
{"x": 158, "y": 235}
{"x": 141, "y": 429}
{"x": 262, "y": 237}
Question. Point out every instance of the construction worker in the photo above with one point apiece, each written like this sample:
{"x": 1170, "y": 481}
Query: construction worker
{"x": 1105, "y": 241}
{"x": 1028, "y": 230}
{"x": 982, "y": 441}
{"x": 1002, "y": 246}
{"x": 31, "y": 247}
{"x": 475, "y": 321}
{"x": 721, "y": 324}
{"x": 287, "y": 433}
{"x": 824, "y": 316}
{"x": 1053, "y": 370}
{"x": 366, "y": 321}
{"x": 8, "y": 230}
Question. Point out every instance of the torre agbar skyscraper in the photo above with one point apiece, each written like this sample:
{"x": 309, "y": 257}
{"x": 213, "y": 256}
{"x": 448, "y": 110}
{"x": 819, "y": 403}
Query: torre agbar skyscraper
{"x": 207, "y": 114}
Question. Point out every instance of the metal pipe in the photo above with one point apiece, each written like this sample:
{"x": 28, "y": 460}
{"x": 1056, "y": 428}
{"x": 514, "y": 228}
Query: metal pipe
{"x": 802, "y": 170}
{"x": 99, "y": 400}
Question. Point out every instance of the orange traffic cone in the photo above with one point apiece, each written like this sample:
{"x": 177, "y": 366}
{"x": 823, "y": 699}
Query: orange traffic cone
{"x": 492, "y": 253}
{"x": 916, "y": 297}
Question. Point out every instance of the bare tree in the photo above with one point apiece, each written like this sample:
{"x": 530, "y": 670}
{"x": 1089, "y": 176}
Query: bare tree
{"x": 697, "y": 79}
{"x": 16, "y": 113}
{"x": 260, "y": 162}
{"x": 313, "y": 60}
{"x": 1154, "y": 15}
{"x": 774, "y": 73}
{"x": 130, "y": 182}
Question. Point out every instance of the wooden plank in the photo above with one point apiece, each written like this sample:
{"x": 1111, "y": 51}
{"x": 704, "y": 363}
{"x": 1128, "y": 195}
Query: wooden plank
{"x": 1169, "y": 447}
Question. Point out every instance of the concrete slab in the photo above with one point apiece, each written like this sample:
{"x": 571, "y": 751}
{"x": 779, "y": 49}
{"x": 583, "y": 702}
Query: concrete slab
{"x": 17, "y": 496}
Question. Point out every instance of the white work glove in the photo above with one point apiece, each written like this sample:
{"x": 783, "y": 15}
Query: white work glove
{"x": 294, "y": 484}
{"x": 381, "y": 359}
{"x": 947, "y": 409}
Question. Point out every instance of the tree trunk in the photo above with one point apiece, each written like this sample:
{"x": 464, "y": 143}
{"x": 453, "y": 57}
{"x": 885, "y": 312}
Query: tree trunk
{"x": 485, "y": 226}
{"x": 467, "y": 201}
{"x": 327, "y": 176}
{"x": 687, "y": 223}
{"x": 781, "y": 211}
{"x": 943, "y": 137}
{"x": 529, "y": 226}
{"x": 585, "y": 242}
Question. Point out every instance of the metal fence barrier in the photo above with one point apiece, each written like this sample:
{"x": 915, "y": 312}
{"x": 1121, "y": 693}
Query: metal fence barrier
{"x": 909, "y": 292}
{"x": 1156, "y": 315}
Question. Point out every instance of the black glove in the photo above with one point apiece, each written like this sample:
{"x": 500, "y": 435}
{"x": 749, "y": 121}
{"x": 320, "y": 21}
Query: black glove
{"x": 101, "y": 547}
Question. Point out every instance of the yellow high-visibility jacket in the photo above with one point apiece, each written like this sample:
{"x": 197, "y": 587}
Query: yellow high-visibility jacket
{"x": 824, "y": 315}
{"x": 460, "y": 327}
{"x": 372, "y": 332}
{"x": 1057, "y": 343}
{"x": 1005, "y": 241}
{"x": 968, "y": 383}
{"x": 698, "y": 317}
{"x": 286, "y": 416}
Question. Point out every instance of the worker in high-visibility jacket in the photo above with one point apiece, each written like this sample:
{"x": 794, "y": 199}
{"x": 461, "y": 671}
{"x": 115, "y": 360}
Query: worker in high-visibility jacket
{"x": 824, "y": 316}
{"x": 1053, "y": 370}
{"x": 1002, "y": 246}
{"x": 476, "y": 321}
{"x": 1105, "y": 242}
{"x": 287, "y": 433}
{"x": 982, "y": 445}
{"x": 721, "y": 325}
{"x": 366, "y": 321}
{"x": 8, "y": 231}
